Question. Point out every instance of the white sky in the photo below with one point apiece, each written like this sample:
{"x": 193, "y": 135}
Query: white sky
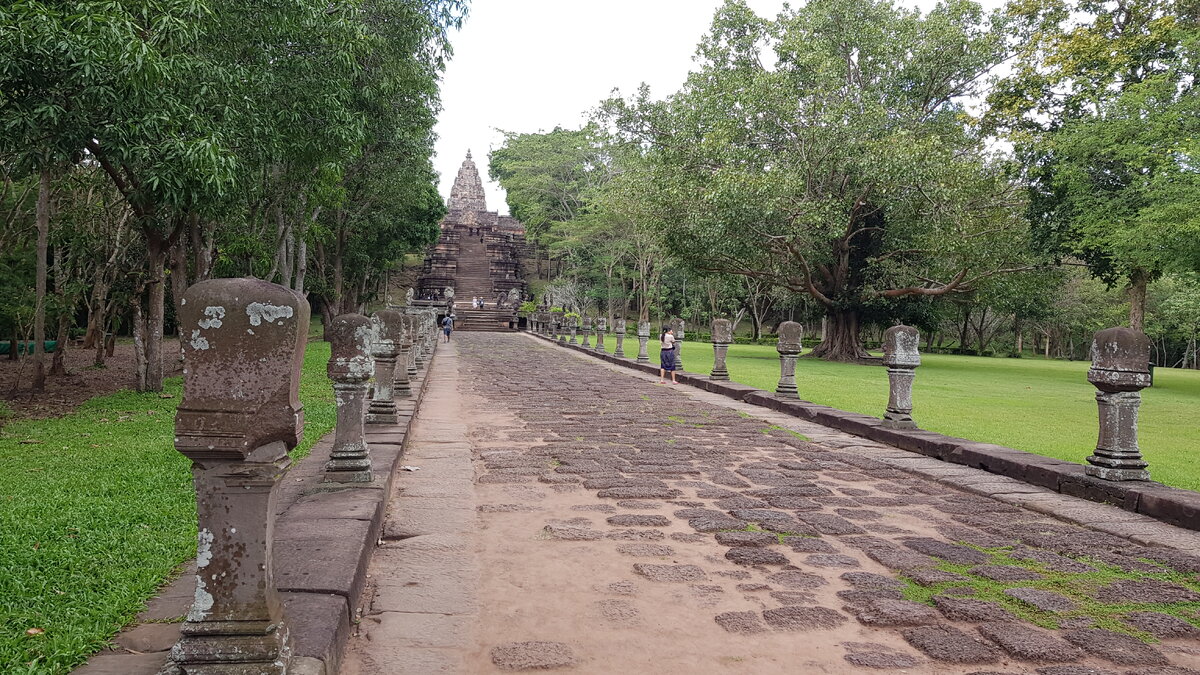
{"x": 531, "y": 65}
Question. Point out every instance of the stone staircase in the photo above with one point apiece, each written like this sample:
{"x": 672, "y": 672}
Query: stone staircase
{"x": 473, "y": 278}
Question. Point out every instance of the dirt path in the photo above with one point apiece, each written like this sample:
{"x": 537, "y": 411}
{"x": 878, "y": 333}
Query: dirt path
{"x": 570, "y": 515}
{"x": 82, "y": 381}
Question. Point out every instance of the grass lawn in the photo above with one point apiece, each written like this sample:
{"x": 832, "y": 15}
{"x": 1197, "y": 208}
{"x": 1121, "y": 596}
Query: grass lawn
{"x": 1045, "y": 407}
{"x": 96, "y": 511}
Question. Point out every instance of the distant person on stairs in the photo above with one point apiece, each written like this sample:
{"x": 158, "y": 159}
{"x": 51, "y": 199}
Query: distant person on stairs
{"x": 447, "y": 326}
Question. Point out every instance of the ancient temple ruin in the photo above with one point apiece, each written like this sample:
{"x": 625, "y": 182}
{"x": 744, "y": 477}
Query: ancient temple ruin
{"x": 477, "y": 256}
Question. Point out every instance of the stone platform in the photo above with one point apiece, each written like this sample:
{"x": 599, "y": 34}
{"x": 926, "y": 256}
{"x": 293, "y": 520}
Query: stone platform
{"x": 575, "y": 515}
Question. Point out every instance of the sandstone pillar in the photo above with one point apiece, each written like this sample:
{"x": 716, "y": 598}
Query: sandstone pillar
{"x": 587, "y": 332}
{"x": 574, "y": 327}
{"x": 350, "y": 366}
{"x": 901, "y": 355}
{"x": 722, "y": 335}
{"x": 677, "y": 326}
{"x": 401, "y": 384}
{"x": 560, "y": 327}
{"x": 1120, "y": 370}
{"x": 643, "y": 336}
{"x": 790, "y": 334}
{"x": 384, "y": 349}
{"x": 414, "y": 342}
{"x": 601, "y": 329}
{"x": 239, "y": 416}
{"x": 619, "y": 330}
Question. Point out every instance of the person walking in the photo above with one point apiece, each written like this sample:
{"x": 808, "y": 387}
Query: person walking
{"x": 447, "y": 326}
{"x": 666, "y": 357}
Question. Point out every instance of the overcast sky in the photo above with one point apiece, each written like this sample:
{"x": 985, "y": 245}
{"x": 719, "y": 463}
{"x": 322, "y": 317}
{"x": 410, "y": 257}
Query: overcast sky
{"x": 531, "y": 65}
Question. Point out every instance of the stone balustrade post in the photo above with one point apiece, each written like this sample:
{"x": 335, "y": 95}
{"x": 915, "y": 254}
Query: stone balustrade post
{"x": 901, "y": 355}
{"x": 350, "y": 367}
{"x": 619, "y": 331}
{"x": 573, "y": 323}
{"x": 722, "y": 336}
{"x": 587, "y": 332}
{"x": 1120, "y": 370}
{"x": 414, "y": 342}
{"x": 789, "y": 347}
{"x": 384, "y": 348}
{"x": 601, "y": 329}
{"x": 240, "y": 414}
{"x": 427, "y": 320}
{"x": 560, "y": 327}
{"x": 643, "y": 336}
{"x": 402, "y": 384}
{"x": 677, "y": 327}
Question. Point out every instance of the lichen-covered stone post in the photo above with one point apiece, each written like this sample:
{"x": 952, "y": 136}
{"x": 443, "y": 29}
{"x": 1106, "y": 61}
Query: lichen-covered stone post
{"x": 240, "y": 414}
{"x": 722, "y": 335}
{"x": 384, "y": 349}
{"x": 350, "y": 366}
{"x": 427, "y": 329}
{"x": 574, "y": 324}
{"x": 619, "y": 331}
{"x": 402, "y": 384}
{"x": 901, "y": 355}
{"x": 411, "y": 328}
{"x": 677, "y": 327}
{"x": 1120, "y": 370}
{"x": 587, "y": 332}
{"x": 601, "y": 329}
{"x": 790, "y": 335}
{"x": 643, "y": 336}
{"x": 560, "y": 327}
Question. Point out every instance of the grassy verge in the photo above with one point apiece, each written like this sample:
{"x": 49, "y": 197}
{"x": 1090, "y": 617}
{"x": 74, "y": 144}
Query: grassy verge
{"x": 1045, "y": 407}
{"x": 96, "y": 511}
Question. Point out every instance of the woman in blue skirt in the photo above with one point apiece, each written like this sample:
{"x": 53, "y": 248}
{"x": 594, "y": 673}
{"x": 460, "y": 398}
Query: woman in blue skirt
{"x": 666, "y": 357}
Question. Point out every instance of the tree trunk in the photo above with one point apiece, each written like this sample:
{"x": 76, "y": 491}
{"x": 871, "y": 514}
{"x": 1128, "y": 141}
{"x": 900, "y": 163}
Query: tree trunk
{"x": 155, "y": 313}
{"x": 139, "y": 341}
{"x": 301, "y": 263}
{"x": 101, "y": 319}
{"x": 962, "y": 330}
{"x": 39, "y": 315}
{"x": 1138, "y": 280}
{"x": 58, "y": 365}
{"x": 179, "y": 282}
{"x": 326, "y": 319}
{"x": 202, "y": 245}
{"x": 842, "y": 340}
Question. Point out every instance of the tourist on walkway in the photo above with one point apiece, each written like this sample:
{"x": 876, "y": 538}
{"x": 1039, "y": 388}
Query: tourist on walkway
{"x": 447, "y": 326}
{"x": 666, "y": 357}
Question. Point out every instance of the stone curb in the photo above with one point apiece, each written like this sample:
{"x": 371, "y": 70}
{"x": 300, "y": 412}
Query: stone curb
{"x": 324, "y": 539}
{"x": 1170, "y": 505}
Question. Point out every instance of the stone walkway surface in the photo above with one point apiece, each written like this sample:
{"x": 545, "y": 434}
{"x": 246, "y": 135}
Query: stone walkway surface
{"x": 571, "y": 515}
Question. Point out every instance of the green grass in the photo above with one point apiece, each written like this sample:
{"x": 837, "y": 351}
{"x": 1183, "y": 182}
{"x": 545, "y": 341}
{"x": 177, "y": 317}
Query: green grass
{"x": 1079, "y": 587}
{"x": 96, "y": 512}
{"x": 1045, "y": 407}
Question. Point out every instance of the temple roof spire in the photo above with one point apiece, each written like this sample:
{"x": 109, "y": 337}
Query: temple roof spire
{"x": 467, "y": 193}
